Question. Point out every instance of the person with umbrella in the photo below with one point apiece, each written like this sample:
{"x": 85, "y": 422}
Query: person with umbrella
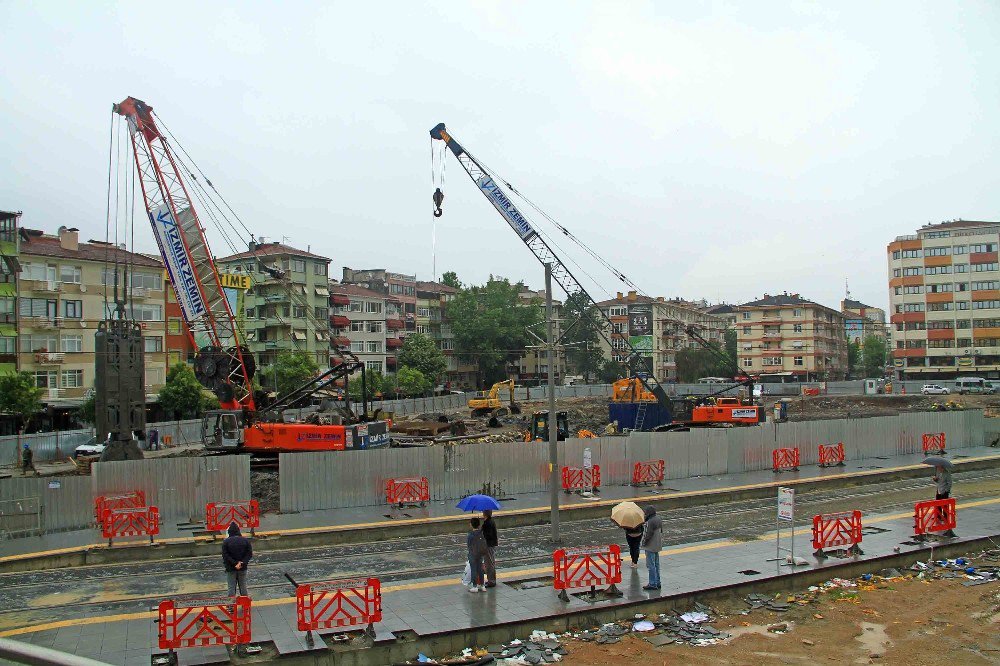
{"x": 481, "y": 554}
{"x": 629, "y": 517}
{"x": 942, "y": 477}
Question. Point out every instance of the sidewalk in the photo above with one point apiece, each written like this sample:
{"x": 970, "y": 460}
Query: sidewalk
{"x": 382, "y": 515}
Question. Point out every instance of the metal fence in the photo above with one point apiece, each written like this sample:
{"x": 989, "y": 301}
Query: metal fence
{"x": 357, "y": 478}
{"x": 61, "y": 502}
{"x": 58, "y": 445}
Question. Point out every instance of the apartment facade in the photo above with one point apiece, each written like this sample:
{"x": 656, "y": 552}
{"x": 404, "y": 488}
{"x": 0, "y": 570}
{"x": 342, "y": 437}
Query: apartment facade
{"x": 944, "y": 295}
{"x": 397, "y": 287}
{"x": 62, "y": 289}
{"x": 862, "y": 320}
{"x": 656, "y": 328}
{"x": 790, "y": 338}
{"x": 288, "y": 307}
{"x": 533, "y": 365}
{"x": 358, "y": 321}
{"x": 9, "y": 268}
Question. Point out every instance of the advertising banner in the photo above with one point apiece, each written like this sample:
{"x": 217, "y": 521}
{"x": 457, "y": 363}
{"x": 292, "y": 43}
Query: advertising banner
{"x": 168, "y": 236}
{"x": 640, "y": 319}
{"x": 505, "y": 207}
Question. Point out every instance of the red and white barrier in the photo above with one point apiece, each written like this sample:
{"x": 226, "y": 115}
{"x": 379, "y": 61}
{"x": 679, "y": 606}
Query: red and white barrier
{"x": 785, "y": 460}
{"x": 933, "y": 443}
{"x": 575, "y": 479}
{"x": 134, "y": 499}
{"x": 407, "y": 490}
{"x": 144, "y": 521}
{"x": 831, "y": 455}
{"x": 339, "y": 603}
{"x": 219, "y": 515}
{"x": 934, "y": 516}
{"x": 587, "y": 567}
{"x": 649, "y": 471}
{"x": 205, "y": 622}
{"x": 834, "y": 530}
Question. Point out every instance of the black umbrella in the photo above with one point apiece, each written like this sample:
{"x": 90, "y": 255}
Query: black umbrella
{"x": 938, "y": 461}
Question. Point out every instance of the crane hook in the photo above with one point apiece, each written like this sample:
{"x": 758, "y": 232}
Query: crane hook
{"x": 438, "y": 200}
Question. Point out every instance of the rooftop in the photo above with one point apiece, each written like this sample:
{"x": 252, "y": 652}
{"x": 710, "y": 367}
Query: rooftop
{"x": 38, "y": 243}
{"x": 436, "y": 287}
{"x": 957, "y": 224}
{"x": 855, "y": 305}
{"x": 354, "y": 290}
{"x": 785, "y": 300}
{"x": 271, "y": 250}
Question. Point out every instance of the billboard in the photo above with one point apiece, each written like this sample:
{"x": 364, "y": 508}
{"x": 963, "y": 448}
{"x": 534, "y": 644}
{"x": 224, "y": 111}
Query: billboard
{"x": 505, "y": 207}
{"x": 855, "y": 329}
{"x": 175, "y": 255}
{"x": 640, "y": 319}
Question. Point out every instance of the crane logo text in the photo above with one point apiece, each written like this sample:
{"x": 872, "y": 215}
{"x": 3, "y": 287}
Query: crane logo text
{"x": 506, "y": 208}
{"x": 181, "y": 271}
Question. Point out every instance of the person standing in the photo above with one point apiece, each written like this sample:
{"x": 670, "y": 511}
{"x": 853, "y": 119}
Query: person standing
{"x": 942, "y": 477}
{"x": 154, "y": 439}
{"x": 490, "y": 534}
{"x": 27, "y": 456}
{"x": 652, "y": 543}
{"x": 476, "y": 544}
{"x": 633, "y": 536}
{"x": 236, "y": 554}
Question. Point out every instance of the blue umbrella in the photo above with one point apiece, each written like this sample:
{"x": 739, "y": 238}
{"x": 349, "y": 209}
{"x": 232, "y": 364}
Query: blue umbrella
{"x": 478, "y": 503}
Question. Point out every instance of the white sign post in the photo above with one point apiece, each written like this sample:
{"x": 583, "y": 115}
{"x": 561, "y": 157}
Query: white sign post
{"x": 588, "y": 468}
{"x": 786, "y": 514}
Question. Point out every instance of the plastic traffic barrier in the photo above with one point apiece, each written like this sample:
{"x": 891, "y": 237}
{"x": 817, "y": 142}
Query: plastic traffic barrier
{"x": 831, "y": 455}
{"x": 933, "y": 516}
{"x": 408, "y": 490}
{"x": 202, "y": 623}
{"x": 133, "y": 499}
{"x": 219, "y": 515}
{"x": 581, "y": 478}
{"x": 339, "y": 603}
{"x": 933, "y": 442}
{"x": 835, "y": 530}
{"x": 587, "y": 567}
{"x": 144, "y": 521}
{"x": 648, "y": 471}
{"x": 785, "y": 460}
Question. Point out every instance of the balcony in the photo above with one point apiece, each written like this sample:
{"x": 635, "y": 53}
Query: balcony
{"x": 395, "y": 324}
{"x": 339, "y": 321}
{"x": 390, "y": 361}
{"x": 139, "y": 292}
{"x": 277, "y": 298}
{"x": 50, "y": 286}
{"x": 341, "y": 341}
{"x": 49, "y": 358}
{"x": 772, "y": 334}
{"x": 44, "y": 323}
{"x": 393, "y": 343}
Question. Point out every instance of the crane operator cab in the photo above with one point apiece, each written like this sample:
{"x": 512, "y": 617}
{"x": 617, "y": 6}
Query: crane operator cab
{"x": 222, "y": 429}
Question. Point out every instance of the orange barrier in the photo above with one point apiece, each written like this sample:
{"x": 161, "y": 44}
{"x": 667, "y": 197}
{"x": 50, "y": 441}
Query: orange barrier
{"x": 832, "y": 530}
{"x": 587, "y": 567}
{"x": 785, "y": 460}
{"x": 933, "y": 442}
{"x": 934, "y": 516}
{"x": 649, "y": 471}
{"x": 831, "y": 455}
{"x": 408, "y": 490}
{"x": 581, "y": 478}
{"x": 144, "y": 521}
{"x": 134, "y": 499}
{"x": 339, "y": 603}
{"x": 219, "y": 515}
{"x": 200, "y": 623}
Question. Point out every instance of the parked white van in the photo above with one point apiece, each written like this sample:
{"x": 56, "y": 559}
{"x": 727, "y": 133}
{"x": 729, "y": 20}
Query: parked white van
{"x": 965, "y": 385}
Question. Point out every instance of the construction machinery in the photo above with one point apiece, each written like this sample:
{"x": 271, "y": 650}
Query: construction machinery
{"x": 539, "y": 431}
{"x": 488, "y": 403}
{"x": 223, "y": 363}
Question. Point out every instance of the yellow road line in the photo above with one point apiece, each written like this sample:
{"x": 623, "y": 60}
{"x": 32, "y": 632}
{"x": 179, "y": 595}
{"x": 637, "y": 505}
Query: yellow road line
{"x": 422, "y": 585}
{"x": 526, "y": 511}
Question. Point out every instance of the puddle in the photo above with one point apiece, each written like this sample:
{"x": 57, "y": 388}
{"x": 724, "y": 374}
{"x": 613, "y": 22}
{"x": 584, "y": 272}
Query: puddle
{"x": 756, "y": 630}
{"x": 873, "y": 640}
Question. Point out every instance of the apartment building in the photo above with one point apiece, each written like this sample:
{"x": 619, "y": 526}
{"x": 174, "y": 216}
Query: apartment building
{"x": 533, "y": 366}
{"x": 398, "y": 287}
{"x": 862, "y": 320}
{"x": 62, "y": 291}
{"x": 944, "y": 296}
{"x": 790, "y": 338}
{"x": 358, "y": 320}
{"x": 9, "y": 268}
{"x": 287, "y": 308}
{"x": 657, "y": 327}
{"x": 432, "y": 319}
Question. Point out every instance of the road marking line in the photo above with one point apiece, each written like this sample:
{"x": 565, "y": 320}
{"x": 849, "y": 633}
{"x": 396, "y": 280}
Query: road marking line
{"x": 422, "y": 585}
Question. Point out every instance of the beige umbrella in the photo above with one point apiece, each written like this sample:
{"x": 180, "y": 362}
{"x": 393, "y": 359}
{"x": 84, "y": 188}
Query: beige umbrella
{"x": 628, "y": 514}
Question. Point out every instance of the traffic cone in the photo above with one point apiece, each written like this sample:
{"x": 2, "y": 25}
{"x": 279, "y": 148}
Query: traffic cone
{"x": 902, "y": 388}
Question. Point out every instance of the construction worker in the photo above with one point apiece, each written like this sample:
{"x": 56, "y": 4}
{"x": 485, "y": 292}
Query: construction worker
{"x": 26, "y": 457}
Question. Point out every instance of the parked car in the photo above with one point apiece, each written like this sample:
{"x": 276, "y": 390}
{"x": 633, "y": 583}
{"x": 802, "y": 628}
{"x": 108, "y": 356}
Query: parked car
{"x": 934, "y": 389}
{"x": 91, "y": 448}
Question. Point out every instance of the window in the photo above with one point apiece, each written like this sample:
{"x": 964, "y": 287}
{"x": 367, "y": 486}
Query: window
{"x": 41, "y": 272}
{"x": 7, "y": 305}
{"x": 797, "y": 328}
{"x": 619, "y": 311}
{"x": 940, "y": 344}
{"x": 150, "y": 281}
{"x": 7, "y": 345}
{"x": 298, "y": 335}
{"x": 747, "y": 346}
{"x": 771, "y": 360}
{"x": 358, "y": 347}
{"x": 986, "y": 323}
{"x": 152, "y": 344}
{"x": 373, "y": 307}
{"x": 72, "y": 378}
{"x": 373, "y": 366}
{"x": 911, "y": 271}
{"x": 984, "y": 247}
{"x": 356, "y": 306}
{"x": 373, "y": 347}
{"x": 73, "y": 309}
{"x": 937, "y": 251}
{"x": 937, "y": 234}
{"x": 960, "y": 249}
{"x": 746, "y": 315}
{"x": 38, "y": 307}
{"x": 939, "y": 288}
{"x": 985, "y": 305}
{"x": 912, "y": 254}
{"x": 895, "y": 254}
{"x": 46, "y": 379}
{"x": 357, "y": 327}
{"x": 618, "y": 327}
{"x": 934, "y": 325}
{"x": 373, "y": 326}
{"x": 913, "y": 307}
{"x": 71, "y": 343}
{"x": 70, "y": 274}
{"x": 980, "y": 268}
{"x": 447, "y": 344}
{"x": 322, "y": 312}
{"x": 142, "y": 312}
{"x": 748, "y": 363}
{"x": 174, "y": 326}
{"x": 39, "y": 342}
{"x": 299, "y": 312}
{"x": 918, "y": 289}
{"x": 298, "y": 266}
{"x": 896, "y": 272}
{"x": 746, "y": 330}
{"x": 319, "y": 268}
{"x": 961, "y": 268}
{"x": 961, "y": 286}
{"x": 989, "y": 284}
{"x": 940, "y": 307}
{"x": 797, "y": 360}
{"x": 915, "y": 326}
{"x": 796, "y": 312}
{"x": 423, "y": 312}
{"x": 962, "y": 323}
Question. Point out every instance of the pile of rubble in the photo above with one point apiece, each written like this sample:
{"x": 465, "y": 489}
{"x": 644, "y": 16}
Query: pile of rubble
{"x": 540, "y": 648}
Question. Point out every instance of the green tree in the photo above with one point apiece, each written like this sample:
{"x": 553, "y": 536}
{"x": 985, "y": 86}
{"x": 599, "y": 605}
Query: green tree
{"x": 183, "y": 396}
{"x": 610, "y": 371}
{"x": 730, "y": 337}
{"x": 375, "y": 382}
{"x": 292, "y": 370}
{"x": 421, "y": 353}
{"x": 853, "y": 356}
{"x": 19, "y": 396}
{"x": 873, "y": 356}
{"x": 412, "y": 382}
{"x": 490, "y": 325}
{"x": 88, "y": 410}
{"x": 450, "y": 278}
{"x": 696, "y": 362}
{"x": 583, "y": 338}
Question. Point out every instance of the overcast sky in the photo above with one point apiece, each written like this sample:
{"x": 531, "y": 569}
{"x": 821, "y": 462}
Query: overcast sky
{"x": 709, "y": 150}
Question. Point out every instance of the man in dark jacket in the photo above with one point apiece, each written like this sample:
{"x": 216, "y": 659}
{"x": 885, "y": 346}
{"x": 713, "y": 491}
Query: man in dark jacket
{"x": 652, "y": 543}
{"x": 236, "y": 554}
{"x": 26, "y": 459}
{"x": 490, "y": 534}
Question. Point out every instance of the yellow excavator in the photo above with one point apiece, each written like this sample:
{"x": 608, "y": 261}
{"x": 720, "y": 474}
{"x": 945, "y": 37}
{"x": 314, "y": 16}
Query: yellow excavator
{"x": 488, "y": 402}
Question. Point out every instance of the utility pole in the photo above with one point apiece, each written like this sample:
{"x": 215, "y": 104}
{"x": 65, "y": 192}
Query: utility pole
{"x": 553, "y": 425}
